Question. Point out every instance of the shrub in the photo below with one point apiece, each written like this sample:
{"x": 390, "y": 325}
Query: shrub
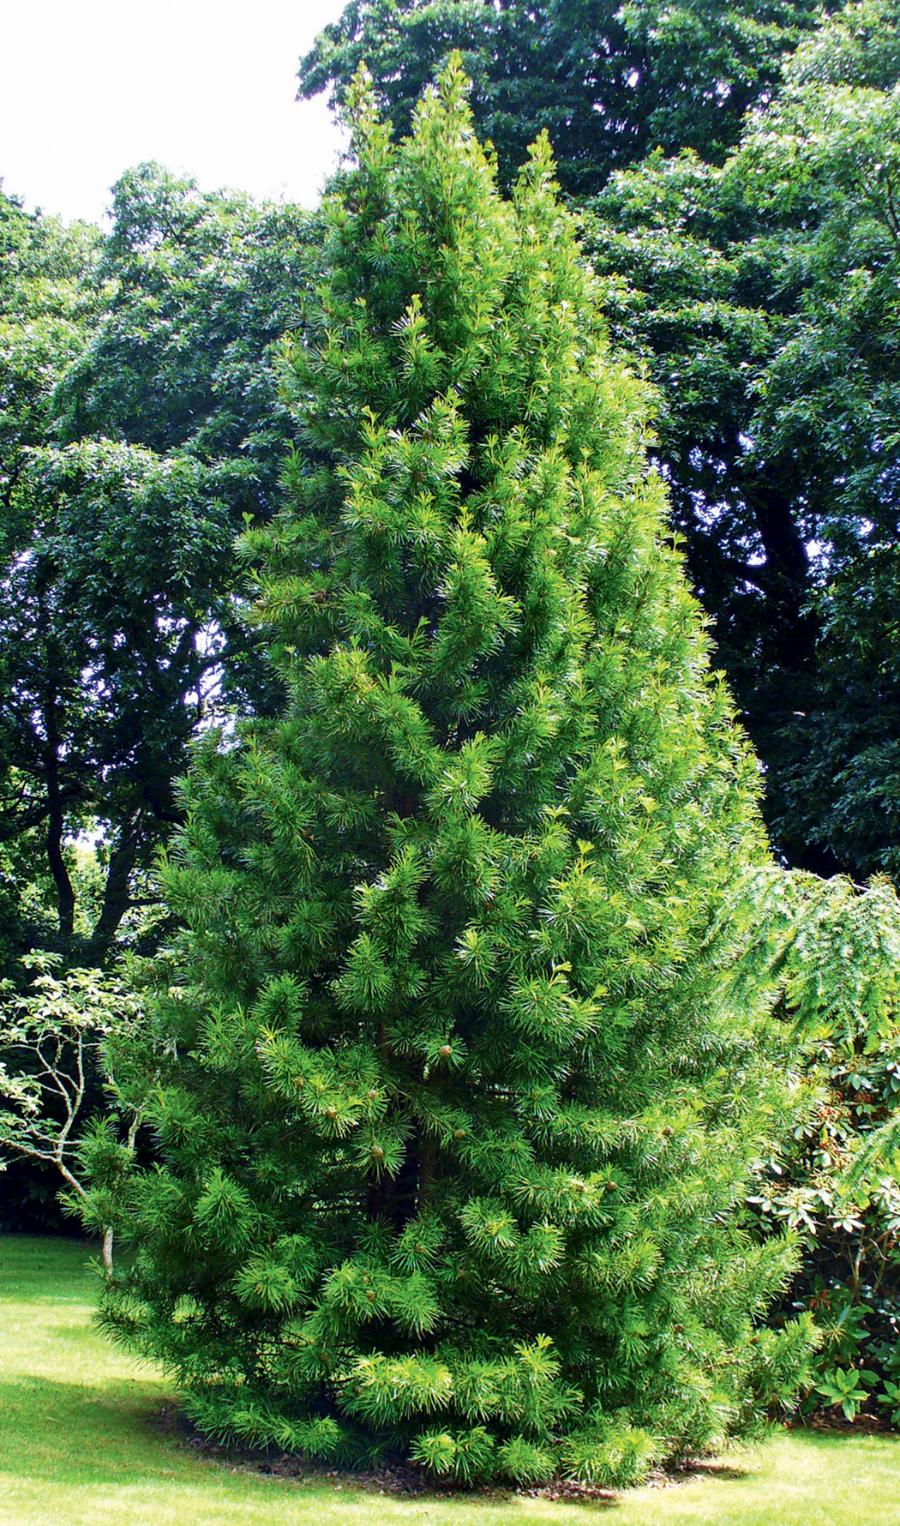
{"x": 834, "y": 1180}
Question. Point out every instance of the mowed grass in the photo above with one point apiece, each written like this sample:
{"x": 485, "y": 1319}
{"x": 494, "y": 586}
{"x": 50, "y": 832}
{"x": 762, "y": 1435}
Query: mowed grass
{"x": 81, "y": 1442}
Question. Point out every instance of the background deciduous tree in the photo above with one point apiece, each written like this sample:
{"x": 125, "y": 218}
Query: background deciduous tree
{"x": 134, "y": 446}
{"x": 607, "y": 81}
{"x": 46, "y": 308}
{"x": 764, "y": 293}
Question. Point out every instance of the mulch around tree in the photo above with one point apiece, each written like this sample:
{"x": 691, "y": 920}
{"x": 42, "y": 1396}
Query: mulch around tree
{"x": 409, "y": 1482}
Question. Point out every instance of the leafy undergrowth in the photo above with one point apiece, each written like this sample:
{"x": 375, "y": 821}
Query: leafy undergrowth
{"x": 87, "y": 1435}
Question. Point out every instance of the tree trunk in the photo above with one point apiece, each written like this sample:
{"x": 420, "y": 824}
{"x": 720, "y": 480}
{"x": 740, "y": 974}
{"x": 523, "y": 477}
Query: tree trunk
{"x": 108, "y": 1251}
{"x": 792, "y": 632}
{"x": 65, "y": 895}
{"x": 116, "y": 890}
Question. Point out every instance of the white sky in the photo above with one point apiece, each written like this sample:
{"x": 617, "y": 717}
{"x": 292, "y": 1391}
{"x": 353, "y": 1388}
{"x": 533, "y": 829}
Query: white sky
{"x": 206, "y": 87}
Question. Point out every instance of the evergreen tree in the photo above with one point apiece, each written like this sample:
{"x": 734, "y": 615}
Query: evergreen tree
{"x": 453, "y": 1103}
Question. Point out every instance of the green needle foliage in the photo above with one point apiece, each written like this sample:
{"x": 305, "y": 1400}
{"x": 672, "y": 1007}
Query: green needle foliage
{"x": 452, "y": 1104}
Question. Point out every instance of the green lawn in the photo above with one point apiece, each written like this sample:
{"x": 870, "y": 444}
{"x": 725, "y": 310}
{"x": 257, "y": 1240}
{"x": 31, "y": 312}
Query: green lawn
{"x": 81, "y": 1442}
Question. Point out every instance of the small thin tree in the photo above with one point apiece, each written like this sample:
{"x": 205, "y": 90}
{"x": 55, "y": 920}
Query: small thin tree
{"x": 53, "y": 1057}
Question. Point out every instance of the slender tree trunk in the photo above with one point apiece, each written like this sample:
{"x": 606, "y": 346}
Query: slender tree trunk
{"x": 116, "y": 890}
{"x": 65, "y": 894}
{"x": 107, "y": 1244}
{"x": 412, "y": 1180}
{"x": 792, "y": 627}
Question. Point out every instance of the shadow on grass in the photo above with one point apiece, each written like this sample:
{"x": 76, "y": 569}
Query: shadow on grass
{"x": 723, "y": 1470}
{"x": 83, "y": 1434}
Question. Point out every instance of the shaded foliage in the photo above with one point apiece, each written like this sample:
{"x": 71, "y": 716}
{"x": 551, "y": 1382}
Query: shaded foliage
{"x": 764, "y": 295}
{"x": 159, "y": 431}
{"x": 608, "y": 82}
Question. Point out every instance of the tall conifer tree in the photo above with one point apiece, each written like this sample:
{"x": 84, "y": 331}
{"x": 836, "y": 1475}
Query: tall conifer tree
{"x": 453, "y": 1096}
